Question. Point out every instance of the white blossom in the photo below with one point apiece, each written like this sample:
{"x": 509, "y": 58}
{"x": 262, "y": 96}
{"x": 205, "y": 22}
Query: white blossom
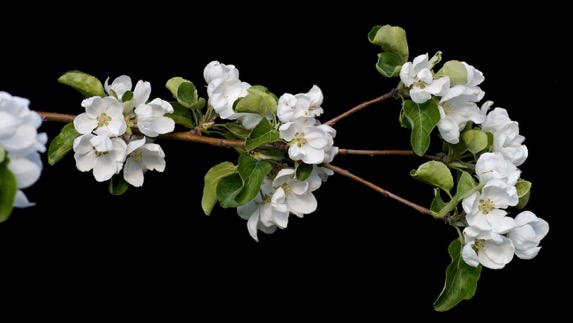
{"x": 141, "y": 157}
{"x": 103, "y": 155}
{"x": 457, "y": 107}
{"x": 506, "y": 137}
{"x": 151, "y": 120}
{"x": 265, "y": 214}
{"x": 307, "y": 141}
{"x": 496, "y": 166}
{"x": 417, "y": 76}
{"x": 298, "y": 194}
{"x": 20, "y": 140}
{"x": 216, "y": 70}
{"x": 527, "y": 235}
{"x": 474, "y": 79}
{"x": 118, "y": 87}
{"x": 291, "y": 107}
{"x": 490, "y": 249}
{"x": 103, "y": 116}
{"x": 484, "y": 209}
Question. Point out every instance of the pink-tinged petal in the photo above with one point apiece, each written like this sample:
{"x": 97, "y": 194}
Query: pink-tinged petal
{"x": 132, "y": 172}
{"x": 84, "y": 124}
{"x": 304, "y": 204}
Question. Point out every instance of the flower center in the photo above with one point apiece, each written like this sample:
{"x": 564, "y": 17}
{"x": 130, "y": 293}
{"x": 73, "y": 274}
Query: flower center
{"x": 447, "y": 108}
{"x": 100, "y": 153}
{"x": 300, "y": 139}
{"x": 486, "y": 206}
{"x": 136, "y": 155}
{"x": 479, "y": 244}
{"x": 103, "y": 120}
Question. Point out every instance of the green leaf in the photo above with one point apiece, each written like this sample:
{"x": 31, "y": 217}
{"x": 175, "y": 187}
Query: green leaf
{"x": 437, "y": 203}
{"x": 259, "y": 101}
{"x": 62, "y": 143}
{"x": 118, "y": 185}
{"x": 461, "y": 280}
{"x": 173, "y": 85}
{"x": 84, "y": 83}
{"x": 303, "y": 171}
{"x": 252, "y": 173}
{"x": 181, "y": 115}
{"x": 423, "y": 118}
{"x": 212, "y": 178}
{"x": 200, "y": 104}
{"x": 187, "y": 94}
{"x": 465, "y": 184}
{"x": 389, "y": 64}
{"x": 8, "y": 189}
{"x": 127, "y": 96}
{"x": 263, "y": 133}
{"x": 475, "y": 140}
{"x": 523, "y": 192}
{"x": 436, "y": 174}
{"x": 391, "y": 38}
{"x": 2, "y": 154}
{"x": 456, "y": 71}
{"x": 227, "y": 190}
{"x": 237, "y": 130}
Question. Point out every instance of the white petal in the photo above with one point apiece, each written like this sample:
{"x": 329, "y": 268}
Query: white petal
{"x": 85, "y": 162}
{"x": 439, "y": 87}
{"x": 141, "y": 92}
{"x": 26, "y": 170}
{"x": 252, "y": 224}
{"x": 104, "y": 168}
{"x": 132, "y": 172}
{"x": 469, "y": 255}
{"x": 21, "y": 200}
{"x": 304, "y": 204}
{"x": 500, "y": 223}
{"x": 84, "y": 124}
{"x": 419, "y": 95}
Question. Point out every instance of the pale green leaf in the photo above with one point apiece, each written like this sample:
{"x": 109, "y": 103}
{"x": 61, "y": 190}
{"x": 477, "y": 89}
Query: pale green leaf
{"x": 465, "y": 184}
{"x": 173, "y": 85}
{"x": 62, "y": 143}
{"x": 84, "y": 83}
{"x": 523, "y": 192}
{"x": 252, "y": 173}
{"x": 456, "y": 71}
{"x": 475, "y": 140}
{"x": 181, "y": 115}
{"x": 212, "y": 178}
{"x": 187, "y": 94}
{"x": 436, "y": 174}
{"x": 8, "y": 189}
{"x": 391, "y": 38}
{"x": 389, "y": 64}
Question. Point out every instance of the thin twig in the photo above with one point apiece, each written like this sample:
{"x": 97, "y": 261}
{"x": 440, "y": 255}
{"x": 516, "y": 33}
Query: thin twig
{"x": 378, "y": 189}
{"x": 361, "y": 106}
{"x": 344, "y": 151}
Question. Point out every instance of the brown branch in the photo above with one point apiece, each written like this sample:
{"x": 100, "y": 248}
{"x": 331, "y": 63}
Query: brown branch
{"x": 361, "y": 106}
{"x": 378, "y": 189}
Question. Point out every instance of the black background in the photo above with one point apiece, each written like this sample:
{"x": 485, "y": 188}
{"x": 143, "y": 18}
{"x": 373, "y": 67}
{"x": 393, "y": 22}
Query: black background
{"x": 82, "y": 252}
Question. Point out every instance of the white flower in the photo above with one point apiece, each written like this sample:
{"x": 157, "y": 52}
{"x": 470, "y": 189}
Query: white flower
{"x": 216, "y": 70}
{"x": 141, "y": 157}
{"x": 118, "y": 87}
{"x": 419, "y": 78}
{"x": 265, "y": 214}
{"x": 102, "y": 154}
{"x": 483, "y": 208}
{"x": 298, "y": 194}
{"x": 527, "y": 235}
{"x": 307, "y": 141}
{"x": 291, "y": 107}
{"x": 495, "y": 118}
{"x": 474, "y": 79}
{"x": 223, "y": 94}
{"x": 490, "y": 249}
{"x": 20, "y": 140}
{"x": 103, "y": 116}
{"x": 508, "y": 142}
{"x": 151, "y": 120}
{"x": 496, "y": 166}
{"x": 457, "y": 107}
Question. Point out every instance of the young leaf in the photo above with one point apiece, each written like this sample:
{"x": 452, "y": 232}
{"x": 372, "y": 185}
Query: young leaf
{"x": 436, "y": 174}
{"x": 423, "y": 118}
{"x": 8, "y": 189}
{"x": 118, "y": 185}
{"x": 62, "y": 143}
{"x": 84, "y": 83}
{"x": 303, "y": 171}
{"x": 173, "y": 85}
{"x": 212, "y": 179}
{"x": 389, "y": 64}
{"x": 181, "y": 115}
{"x": 465, "y": 184}
{"x": 437, "y": 203}
{"x": 475, "y": 140}
{"x": 259, "y": 101}
{"x": 252, "y": 173}
{"x": 187, "y": 94}
{"x": 461, "y": 280}
{"x": 263, "y": 133}
{"x": 456, "y": 71}
{"x": 523, "y": 192}
{"x": 391, "y": 38}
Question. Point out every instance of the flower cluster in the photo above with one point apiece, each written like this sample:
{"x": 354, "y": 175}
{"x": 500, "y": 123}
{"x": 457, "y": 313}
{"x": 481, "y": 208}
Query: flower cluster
{"x": 283, "y": 190}
{"x": 491, "y": 236}
{"x": 106, "y": 144}
{"x": 21, "y": 144}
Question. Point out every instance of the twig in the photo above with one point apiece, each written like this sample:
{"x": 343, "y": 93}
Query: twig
{"x": 361, "y": 106}
{"x": 378, "y": 189}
